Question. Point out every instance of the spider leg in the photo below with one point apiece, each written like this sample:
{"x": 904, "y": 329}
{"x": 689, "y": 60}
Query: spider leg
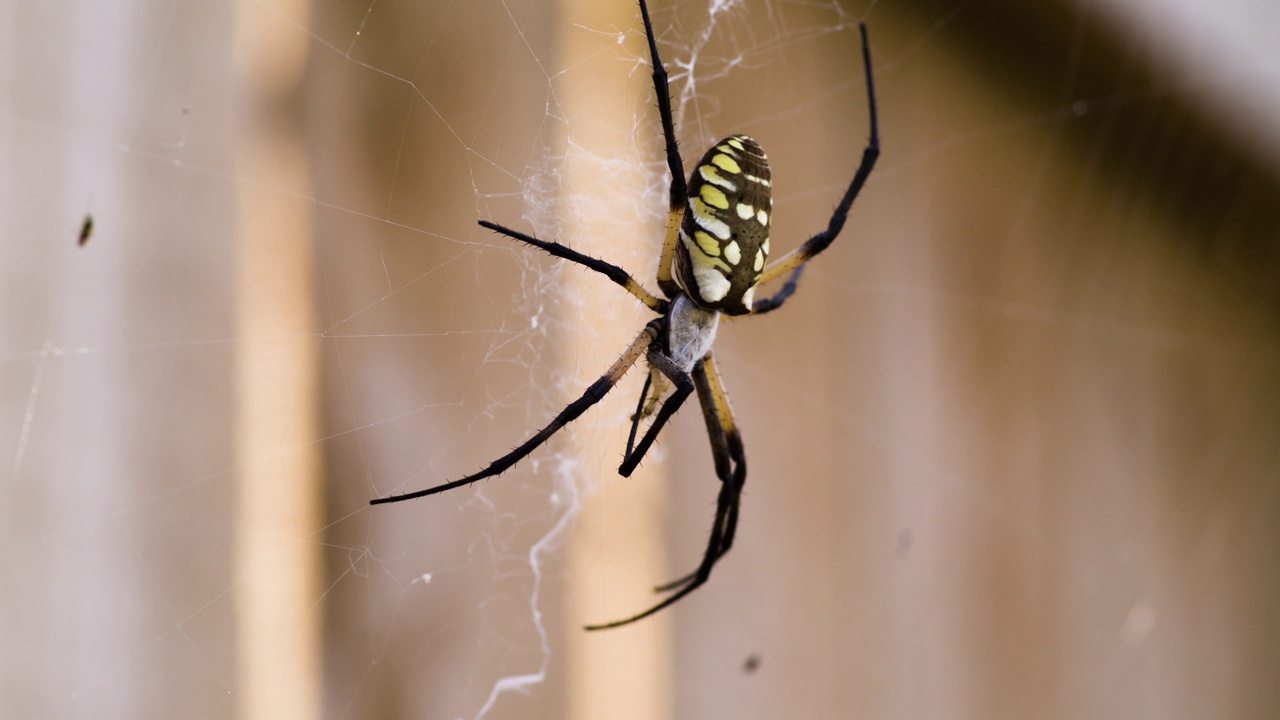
{"x": 795, "y": 259}
{"x": 678, "y": 188}
{"x": 773, "y": 302}
{"x": 684, "y": 387}
{"x": 593, "y": 395}
{"x": 609, "y": 270}
{"x": 727, "y": 499}
{"x": 635, "y": 419}
{"x": 726, "y": 446}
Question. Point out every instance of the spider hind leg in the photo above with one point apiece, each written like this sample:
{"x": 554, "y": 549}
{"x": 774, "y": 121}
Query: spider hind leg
{"x": 731, "y": 468}
{"x": 730, "y": 461}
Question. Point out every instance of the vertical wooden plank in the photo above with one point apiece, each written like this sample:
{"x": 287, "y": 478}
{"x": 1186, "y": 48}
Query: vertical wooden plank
{"x": 617, "y": 552}
{"x": 278, "y": 487}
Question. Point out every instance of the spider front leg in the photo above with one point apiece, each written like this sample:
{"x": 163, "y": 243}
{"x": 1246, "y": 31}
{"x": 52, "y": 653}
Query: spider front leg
{"x": 794, "y": 261}
{"x": 609, "y": 270}
{"x": 731, "y": 467}
{"x": 678, "y": 189}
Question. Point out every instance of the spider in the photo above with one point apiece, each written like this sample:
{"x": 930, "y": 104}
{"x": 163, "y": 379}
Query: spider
{"x": 713, "y": 259}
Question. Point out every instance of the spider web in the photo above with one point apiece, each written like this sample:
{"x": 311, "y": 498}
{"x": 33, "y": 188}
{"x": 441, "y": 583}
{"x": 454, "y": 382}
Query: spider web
{"x": 441, "y": 346}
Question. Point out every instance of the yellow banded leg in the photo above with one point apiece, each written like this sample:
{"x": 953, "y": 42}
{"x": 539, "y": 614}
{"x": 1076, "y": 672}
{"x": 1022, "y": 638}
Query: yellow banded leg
{"x": 730, "y": 462}
{"x": 594, "y": 394}
{"x": 666, "y": 281}
{"x": 784, "y": 265}
{"x": 727, "y": 446}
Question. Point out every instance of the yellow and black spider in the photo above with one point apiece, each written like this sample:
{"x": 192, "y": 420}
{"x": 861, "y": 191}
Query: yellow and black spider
{"x": 713, "y": 259}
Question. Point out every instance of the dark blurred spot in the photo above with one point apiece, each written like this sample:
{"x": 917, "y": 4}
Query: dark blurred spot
{"x": 904, "y": 543}
{"x": 86, "y": 229}
{"x": 751, "y": 664}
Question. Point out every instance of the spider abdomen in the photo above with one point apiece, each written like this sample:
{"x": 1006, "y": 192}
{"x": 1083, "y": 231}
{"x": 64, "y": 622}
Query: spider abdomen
{"x": 724, "y": 237}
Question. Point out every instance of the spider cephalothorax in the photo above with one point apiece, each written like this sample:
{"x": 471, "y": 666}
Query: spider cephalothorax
{"x": 714, "y": 256}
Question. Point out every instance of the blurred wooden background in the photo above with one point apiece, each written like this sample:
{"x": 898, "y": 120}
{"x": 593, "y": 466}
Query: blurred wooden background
{"x": 1013, "y": 446}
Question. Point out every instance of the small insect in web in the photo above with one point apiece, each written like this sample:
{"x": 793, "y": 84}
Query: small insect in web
{"x": 86, "y": 230}
{"x": 714, "y": 256}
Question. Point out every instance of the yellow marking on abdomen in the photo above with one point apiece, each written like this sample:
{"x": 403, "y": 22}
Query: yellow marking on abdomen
{"x": 728, "y": 164}
{"x": 745, "y": 211}
{"x": 713, "y": 196}
{"x": 713, "y": 176}
{"x": 706, "y": 219}
{"x": 709, "y": 273}
{"x": 709, "y": 245}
